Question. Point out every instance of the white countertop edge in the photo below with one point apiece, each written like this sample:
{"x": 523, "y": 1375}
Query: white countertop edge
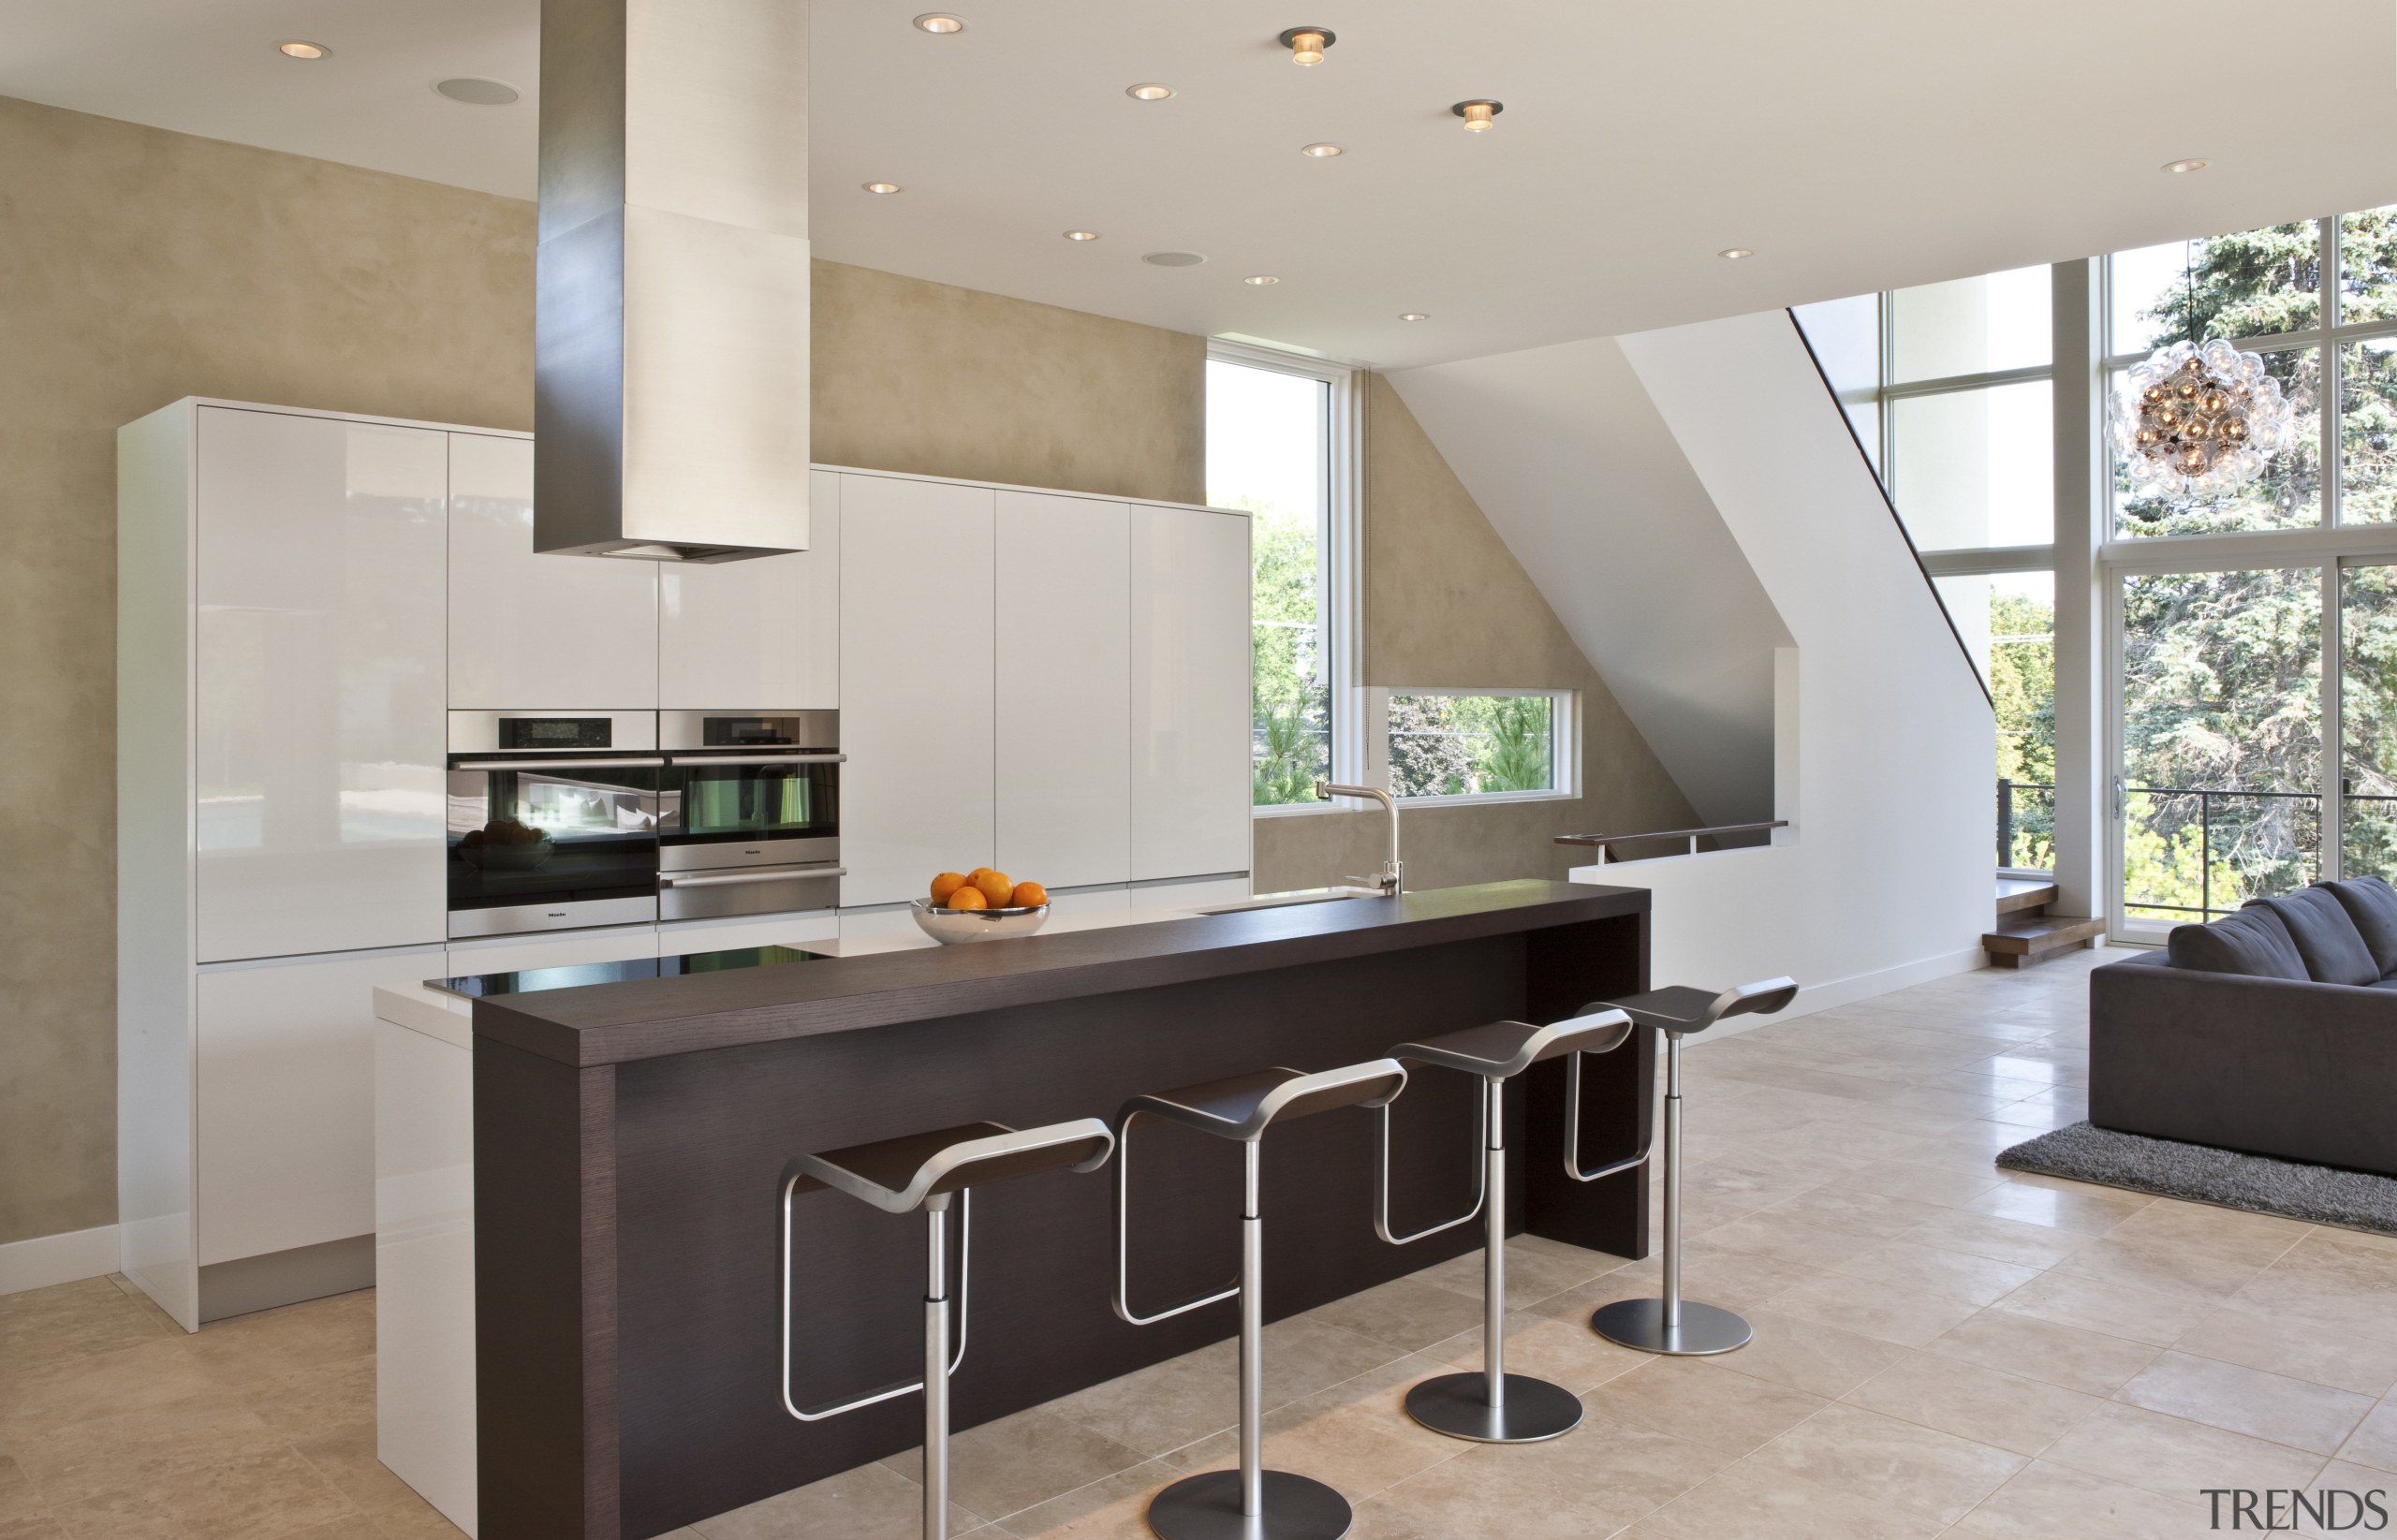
{"x": 420, "y": 1009}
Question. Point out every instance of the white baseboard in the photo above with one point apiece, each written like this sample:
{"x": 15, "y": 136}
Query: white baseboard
{"x": 48, "y": 1259}
{"x": 1855, "y": 987}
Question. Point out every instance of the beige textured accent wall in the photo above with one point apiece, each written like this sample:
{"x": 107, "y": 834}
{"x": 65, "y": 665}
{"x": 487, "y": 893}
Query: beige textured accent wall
{"x": 927, "y": 377}
{"x": 138, "y": 266}
{"x": 1447, "y": 605}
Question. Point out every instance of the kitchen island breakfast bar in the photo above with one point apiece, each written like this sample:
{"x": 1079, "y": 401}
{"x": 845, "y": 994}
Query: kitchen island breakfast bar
{"x": 630, "y": 1141}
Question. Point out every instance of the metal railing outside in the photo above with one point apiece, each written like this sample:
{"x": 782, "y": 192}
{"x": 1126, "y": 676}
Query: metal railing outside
{"x": 1606, "y": 842}
{"x": 2031, "y": 824}
{"x": 2251, "y": 843}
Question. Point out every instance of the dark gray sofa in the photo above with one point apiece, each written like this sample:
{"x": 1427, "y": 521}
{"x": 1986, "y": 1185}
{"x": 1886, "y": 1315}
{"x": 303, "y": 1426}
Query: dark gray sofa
{"x": 2272, "y": 1031}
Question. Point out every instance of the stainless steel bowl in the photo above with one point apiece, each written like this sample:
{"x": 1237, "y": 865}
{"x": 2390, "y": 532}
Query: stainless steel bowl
{"x": 950, "y": 926}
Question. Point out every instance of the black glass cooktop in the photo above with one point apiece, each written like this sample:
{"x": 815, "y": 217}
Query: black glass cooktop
{"x": 529, "y": 980}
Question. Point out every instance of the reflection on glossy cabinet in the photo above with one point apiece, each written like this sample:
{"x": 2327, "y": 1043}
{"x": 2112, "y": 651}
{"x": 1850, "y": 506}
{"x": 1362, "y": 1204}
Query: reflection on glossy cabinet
{"x": 532, "y": 631}
{"x": 1063, "y": 654}
{"x": 318, "y": 756}
{"x": 760, "y": 634}
{"x": 284, "y": 1075}
{"x": 1190, "y": 692}
{"x": 916, "y": 683}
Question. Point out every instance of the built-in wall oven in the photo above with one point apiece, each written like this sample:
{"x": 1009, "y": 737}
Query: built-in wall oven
{"x": 749, "y": 818}
{"x": 553, "y": 820}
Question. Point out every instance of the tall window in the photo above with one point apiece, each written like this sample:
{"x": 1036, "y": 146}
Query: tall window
{"x": 2254, "y": 643}
{"x": 1275, "y": 432}
{"x": 1949, "y": 389}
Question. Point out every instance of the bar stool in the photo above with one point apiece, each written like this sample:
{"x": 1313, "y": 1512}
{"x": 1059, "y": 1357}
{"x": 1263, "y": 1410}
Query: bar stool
{"x": 1251, "y": 1503}
{"x": 922, "y": 1171}
{"x": 1672, "y": 1325}
{"x": 1493, "y": 1406}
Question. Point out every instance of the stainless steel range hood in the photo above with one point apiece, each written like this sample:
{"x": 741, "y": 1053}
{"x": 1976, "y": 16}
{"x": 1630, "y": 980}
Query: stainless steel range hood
{"x": 671, "y": 391}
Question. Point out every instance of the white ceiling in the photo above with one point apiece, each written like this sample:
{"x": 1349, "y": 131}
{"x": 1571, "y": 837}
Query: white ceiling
{"x": 1854, "y": 144}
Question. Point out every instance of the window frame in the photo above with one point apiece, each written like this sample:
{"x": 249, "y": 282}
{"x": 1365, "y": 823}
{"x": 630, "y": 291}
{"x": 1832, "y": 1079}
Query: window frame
{"x": 1563, "y": 745}
{"x": 1341, "y": 543}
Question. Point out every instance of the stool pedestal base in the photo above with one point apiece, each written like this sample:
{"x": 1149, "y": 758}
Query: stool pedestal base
{"x": 1705, "y": 1329}
{"x": 1459, "y": 1406}
{"x": 1207, "y": 1507}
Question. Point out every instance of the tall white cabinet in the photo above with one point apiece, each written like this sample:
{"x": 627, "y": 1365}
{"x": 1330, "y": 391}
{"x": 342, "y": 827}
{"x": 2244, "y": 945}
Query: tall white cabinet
{"x": 760, "y": 634}
{"x": 1190, "y": 693}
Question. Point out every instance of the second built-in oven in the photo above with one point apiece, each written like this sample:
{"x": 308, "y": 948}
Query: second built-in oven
{"x": 749, "y": 817}
{"x": 553, "y": 820}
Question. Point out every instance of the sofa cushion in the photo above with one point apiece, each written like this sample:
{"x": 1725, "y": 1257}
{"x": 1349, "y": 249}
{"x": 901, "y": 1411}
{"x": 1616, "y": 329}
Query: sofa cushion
{"x": 2251, "y": 941}
{"x": 2325, "y": 938}
{"x": 2372, "y": 903}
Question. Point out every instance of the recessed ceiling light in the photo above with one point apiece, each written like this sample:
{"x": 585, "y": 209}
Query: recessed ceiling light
{"x": 1479, "y": 114}
{"x": 1260, "y": 279}
{"x": 2182, "y": 167}
{"x": 1081, "y": 235}
{"x": 475, "y": 91}
{"x": 1321, "y": 151}
{"x": 1306, "y": 44}
{"x": 1175, "y": 258}
{"x": 298, "y": 49}
{"x": 882, "y": 187}
{"x": 1150, "y": 92}
{"x": 939, "y": 24}
{"x": 1735, "y": 254}
{"x": 1415, "y": 315}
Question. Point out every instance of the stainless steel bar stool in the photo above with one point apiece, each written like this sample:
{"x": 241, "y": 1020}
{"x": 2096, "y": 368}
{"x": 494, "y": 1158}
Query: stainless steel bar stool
{"x": 1493, "y": 1406}
{"x": 924, "y": 1171}
{"x": 1251, "y": 1503}
{"x": 1672, "y": 1325}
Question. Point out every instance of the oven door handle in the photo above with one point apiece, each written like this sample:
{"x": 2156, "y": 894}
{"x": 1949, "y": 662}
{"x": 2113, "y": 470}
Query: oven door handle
{"x": 554, "y": 764}
{"x": 702, "y": 761}
{"x": 787, "y": 874}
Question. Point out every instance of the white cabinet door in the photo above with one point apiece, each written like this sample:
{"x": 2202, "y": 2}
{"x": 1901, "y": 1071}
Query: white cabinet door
{"x": 319, "y": 684}
{"x": 917, "y": 692}
{"x": 760, "y": 634}
{"x": 528, "y": 631}
{"x": 1063, "y": 652}
{"x": 284, "y": 1121}
{"x": 1190, "y": 693}
{"x": 566, "y": 950}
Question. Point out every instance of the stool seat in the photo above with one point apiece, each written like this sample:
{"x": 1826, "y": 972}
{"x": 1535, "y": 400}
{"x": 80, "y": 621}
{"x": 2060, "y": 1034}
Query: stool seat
{"x": 1243, "y": 1105}
{"x": 1500, "y": 1050}
{"x": 1679, "y": 1008}
{"x": 898, "y": 1174}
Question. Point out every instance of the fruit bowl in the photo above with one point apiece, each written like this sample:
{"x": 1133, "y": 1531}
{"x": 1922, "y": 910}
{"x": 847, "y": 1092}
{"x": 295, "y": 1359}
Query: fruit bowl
{"x": 952, "y": 926}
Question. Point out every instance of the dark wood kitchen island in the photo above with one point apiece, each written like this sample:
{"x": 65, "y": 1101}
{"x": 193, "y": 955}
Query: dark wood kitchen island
{"x": 630, "y": 1140}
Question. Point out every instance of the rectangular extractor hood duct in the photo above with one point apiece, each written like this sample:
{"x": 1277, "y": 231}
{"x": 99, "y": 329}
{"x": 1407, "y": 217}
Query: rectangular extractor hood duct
{"x": 671, "y": 391}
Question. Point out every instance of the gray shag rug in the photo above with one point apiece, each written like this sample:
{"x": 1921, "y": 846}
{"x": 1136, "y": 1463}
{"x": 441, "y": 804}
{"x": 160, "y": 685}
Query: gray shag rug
{"x": 2319, "y": 1194}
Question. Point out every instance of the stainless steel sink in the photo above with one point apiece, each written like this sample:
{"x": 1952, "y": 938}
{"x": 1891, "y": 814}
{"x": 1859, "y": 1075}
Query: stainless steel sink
{"x": 1297, "y": 896}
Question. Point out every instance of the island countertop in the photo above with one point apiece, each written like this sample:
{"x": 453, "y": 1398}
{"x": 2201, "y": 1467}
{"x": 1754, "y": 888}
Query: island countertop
{"x": 647, "y": 1019}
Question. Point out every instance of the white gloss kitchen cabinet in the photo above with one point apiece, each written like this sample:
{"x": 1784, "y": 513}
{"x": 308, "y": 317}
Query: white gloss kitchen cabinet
{"x": 760, "y": 634}
{"x": 280, "y": 838}
{"x": 529, "y": 632}
{"x": 1053, "y": 684}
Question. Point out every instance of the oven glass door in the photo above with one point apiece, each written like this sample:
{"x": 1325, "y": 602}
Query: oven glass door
{"x": 526, "y": 832}
{"x": 750, "y": 800}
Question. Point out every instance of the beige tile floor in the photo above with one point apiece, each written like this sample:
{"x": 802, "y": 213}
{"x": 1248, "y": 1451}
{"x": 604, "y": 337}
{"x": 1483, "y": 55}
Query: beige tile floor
{"x": 1942, "y": 1349}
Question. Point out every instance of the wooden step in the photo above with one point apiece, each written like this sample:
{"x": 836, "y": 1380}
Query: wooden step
{"x": 2024, "y": 939}
{"x": 2025, "y": 890}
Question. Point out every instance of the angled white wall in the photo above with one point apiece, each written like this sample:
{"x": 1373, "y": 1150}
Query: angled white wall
{"x": 1568, "y": 457}
{"x": 1885, "y": 879}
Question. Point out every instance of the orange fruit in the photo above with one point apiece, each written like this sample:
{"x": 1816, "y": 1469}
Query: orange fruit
{"x": 994, "y": 886}
{"x": 967, "y": 898}
{"x": 946, "y": 884}
{"x": 1027, "y": 895}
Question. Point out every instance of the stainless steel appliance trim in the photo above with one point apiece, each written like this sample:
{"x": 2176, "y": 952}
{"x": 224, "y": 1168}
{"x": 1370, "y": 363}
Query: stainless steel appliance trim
{"x": 725, "y": 879}
{"x": 538, "y": 762}
{"x": 685, "y": 852}
{"x": 678, "y": 730}
{"x": 478, "y": 732}
{"x": 692, "y": 760}
{"x": 532, "y": 918}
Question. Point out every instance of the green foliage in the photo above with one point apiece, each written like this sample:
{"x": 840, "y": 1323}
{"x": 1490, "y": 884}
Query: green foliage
{"x": 1450, "y": 745}
{"x": 1516, "y": 755}
{"x": 1291, "y": 701}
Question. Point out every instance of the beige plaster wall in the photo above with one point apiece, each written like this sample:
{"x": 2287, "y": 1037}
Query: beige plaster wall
{"x": 137, "y": 266}
{"x": 1447, "y": 605}
{"x": 911, "y": 375}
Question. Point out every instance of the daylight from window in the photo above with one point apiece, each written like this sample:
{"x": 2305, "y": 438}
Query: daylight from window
{"x": 1446, "y": 745}
{"x": 1267, "y": 435}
